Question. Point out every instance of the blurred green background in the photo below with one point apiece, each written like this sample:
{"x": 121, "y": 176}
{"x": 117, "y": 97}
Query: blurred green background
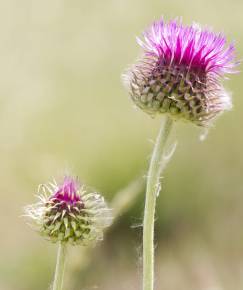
{"x": 63, "y": 108}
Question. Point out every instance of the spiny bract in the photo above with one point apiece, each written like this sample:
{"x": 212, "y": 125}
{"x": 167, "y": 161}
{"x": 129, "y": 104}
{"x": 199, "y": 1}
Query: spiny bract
{"x": 67, "y": 213}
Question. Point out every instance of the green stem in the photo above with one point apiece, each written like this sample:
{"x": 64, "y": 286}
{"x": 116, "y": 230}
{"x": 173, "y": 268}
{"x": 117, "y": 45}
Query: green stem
{"x": 60, "y": 267}
{"x": 156, "y": 166}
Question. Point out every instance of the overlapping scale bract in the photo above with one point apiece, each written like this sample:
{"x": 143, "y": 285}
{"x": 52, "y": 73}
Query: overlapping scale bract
{"x": 184, "y": 94}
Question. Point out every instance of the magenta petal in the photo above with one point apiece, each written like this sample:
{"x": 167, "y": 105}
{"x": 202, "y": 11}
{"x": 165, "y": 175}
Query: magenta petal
{"x": 68, "y": 191}
{"x": 190, "y": 46}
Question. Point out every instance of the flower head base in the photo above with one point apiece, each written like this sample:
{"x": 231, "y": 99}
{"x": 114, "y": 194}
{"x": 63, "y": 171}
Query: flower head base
{"x": 67, "y": 213}
{"x": 180, "y": 72}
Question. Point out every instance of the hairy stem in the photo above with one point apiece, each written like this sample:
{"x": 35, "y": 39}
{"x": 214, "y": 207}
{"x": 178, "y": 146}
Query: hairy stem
{"x": 157, "y": 164}
{"x": 60, "y": 267}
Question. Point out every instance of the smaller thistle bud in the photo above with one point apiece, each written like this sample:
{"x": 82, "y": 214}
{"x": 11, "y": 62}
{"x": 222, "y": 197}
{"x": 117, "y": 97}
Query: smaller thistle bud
{"x": 68, "y": 213}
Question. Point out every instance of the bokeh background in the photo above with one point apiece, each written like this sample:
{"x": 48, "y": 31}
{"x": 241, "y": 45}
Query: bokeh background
{"x": 63, "y": 109}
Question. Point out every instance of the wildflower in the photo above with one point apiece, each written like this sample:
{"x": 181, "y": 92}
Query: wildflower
{"x": 180, "y": 72}
{"x": 67, "y": 213}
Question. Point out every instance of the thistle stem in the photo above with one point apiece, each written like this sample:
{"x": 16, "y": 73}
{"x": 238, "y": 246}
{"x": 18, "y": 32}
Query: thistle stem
{"x": 157, "y": 164}
{"x": 60, "y": 267}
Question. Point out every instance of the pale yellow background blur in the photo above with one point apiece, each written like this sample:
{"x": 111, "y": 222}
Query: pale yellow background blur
{"x": 63, "y": 108}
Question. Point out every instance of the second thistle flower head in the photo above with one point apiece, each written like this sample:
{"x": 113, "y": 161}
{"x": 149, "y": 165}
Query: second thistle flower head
{"x": 180, "y": 72}
{"x": 67, "y": 213}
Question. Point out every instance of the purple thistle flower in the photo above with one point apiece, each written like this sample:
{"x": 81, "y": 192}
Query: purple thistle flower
{"x": 68, "y": 213}
{"x": 180, "y": 72}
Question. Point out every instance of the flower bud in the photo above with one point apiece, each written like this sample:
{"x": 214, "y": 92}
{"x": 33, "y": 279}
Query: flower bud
{"x": 70, "y": 214}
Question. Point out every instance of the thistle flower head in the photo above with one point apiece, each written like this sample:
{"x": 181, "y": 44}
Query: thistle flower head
{"x": 180, "y": 72}
{"x": 68, "y": 213}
